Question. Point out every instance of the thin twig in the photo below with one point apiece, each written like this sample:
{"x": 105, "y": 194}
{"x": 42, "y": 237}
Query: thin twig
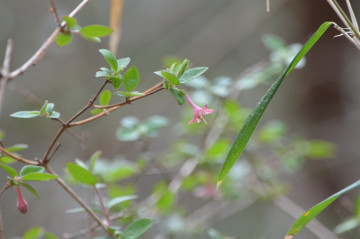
{"x": 146, "y": 93}
{"x": 4, "y": 74}
{"x": 78, "y": 199}
{"x": 18, "y": 158}
{"x": 42, "y": 50}
{"x": 116, "y": 12}
{"x": 105, "y": 210}
{"x": 53, "y": 10}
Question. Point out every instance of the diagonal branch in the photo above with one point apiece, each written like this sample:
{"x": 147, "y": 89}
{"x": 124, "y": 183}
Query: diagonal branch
{"x": 42, "y": 50}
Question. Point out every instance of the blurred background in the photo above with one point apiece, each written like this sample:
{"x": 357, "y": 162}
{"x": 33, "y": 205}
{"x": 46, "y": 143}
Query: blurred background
{"x": 319, "y": 101}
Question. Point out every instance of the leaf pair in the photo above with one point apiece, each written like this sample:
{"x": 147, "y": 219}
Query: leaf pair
{"x": 46, "y": 110}
{"x": 91, "y": 32}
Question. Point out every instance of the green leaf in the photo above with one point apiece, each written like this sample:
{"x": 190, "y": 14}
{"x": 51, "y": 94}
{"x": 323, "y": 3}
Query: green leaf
{"x": 43, "y": 107}
{"x": 254, "y": 118}
{"x": 49, "y": 235}
{"x": 63, "y": 38}
{"x": 102, "y": 74}
{"x": 54, "y": 115}
{"x": 38, "y": 177}
{"x": 94, "y": 39}
{"x": 81, "y": 175}
{"x": 105, "y": 97}
{"x": 9, "y": 170}
{"x": 70, "y": 21}
{"x": 301, "y": 222}
{"x": 131, "y": 79}
{"x": 115, "y": 201}
{"x": 93, "y": 159}
{"x": 95, "y": 31}
{"x": 30, "y": 189}
{"x": 116, "y": 81}
{"x": 178, "y": 95}
{"x": 96, "y": 111}
{"x": 320, "y": 149}
{"x": 25, "y": 114}
{"x": 347, "y": 225}
{"x": 31, "y": 169}
{"x": 34, "y": 233}
{"x": 170, "y": 77}
{"x": 17, "y": 147}
{"x": 110, "y": 58}
{"x": 137, "y": 228}
{"x": 123, "y": 62}
{"x": 125, "y": 134}
{"x": 192, "y": 74}
{"x": 182, "y": 68}
{"x": 7, "y": 160}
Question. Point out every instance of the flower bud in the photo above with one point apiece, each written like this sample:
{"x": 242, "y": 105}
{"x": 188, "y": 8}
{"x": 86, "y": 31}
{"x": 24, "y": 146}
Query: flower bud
{"x": 21, "y": 203}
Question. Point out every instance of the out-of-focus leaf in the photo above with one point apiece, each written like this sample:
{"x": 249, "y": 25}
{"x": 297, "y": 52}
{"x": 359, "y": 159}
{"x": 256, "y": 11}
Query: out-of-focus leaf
{"x": 347, "y": 225}
{"x": 105, "y": 97}
{"x": 95, "y": 31}
{"x": 34, "y": 233}
{"x": 319, "y": 149}
{"x": 25, "y": 114}
{"x": 115, "y": 201}
{"x": 131, "y": 79}
{"x": 70, "y": 21}
{"x": 38, "y": 177}
{"x": 137, "y": 228}
{"x": 178, "y": 95}
{"x": 110, "y": 58}
{"x": 30, "y": 189}
{"x": 81, "y": 175}
{"x": 123, "y": 62}
{"x": 93, "y": 159}
{"x": 63, "y": 38}
{"x": 170, "y": 77}
{"x": 192, "y": 74}
{"x": 9, "y": 170}
{"x": 31, "y": 169}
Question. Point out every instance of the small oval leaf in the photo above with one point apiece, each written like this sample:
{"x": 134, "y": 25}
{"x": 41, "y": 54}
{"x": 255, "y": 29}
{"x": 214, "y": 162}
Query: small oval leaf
{"x": 81, "y": 175}
{"x": 137, "y": 228}
{"x": 192, "y": 74}
{"x": 131, "y": 79}
{"x": 38, "y": 177}
{"x": 110, "y": 58}
{"x": 95, "y": 31}
{"x": 105, "y": 97}
{"x": 25, "y": 114}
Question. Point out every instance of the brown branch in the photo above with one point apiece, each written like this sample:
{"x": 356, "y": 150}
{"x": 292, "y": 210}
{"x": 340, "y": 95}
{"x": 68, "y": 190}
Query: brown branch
{"x": 78, "y": 199}
{"x": 146, "y": 93}
{"x": 18, "y": 158}
{"x": 4, "y": 74}
{"x": 53, "y": 10}
{"x": 42, "y": 50}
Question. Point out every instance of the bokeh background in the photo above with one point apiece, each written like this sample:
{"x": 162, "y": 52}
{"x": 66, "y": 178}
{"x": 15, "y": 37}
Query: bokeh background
{"x": 319, "y": 101}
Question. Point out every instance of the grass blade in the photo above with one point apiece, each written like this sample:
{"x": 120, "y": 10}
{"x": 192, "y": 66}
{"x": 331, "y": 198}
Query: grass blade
{"x": 301, "y": 222}
{"x": 252, "y": 121}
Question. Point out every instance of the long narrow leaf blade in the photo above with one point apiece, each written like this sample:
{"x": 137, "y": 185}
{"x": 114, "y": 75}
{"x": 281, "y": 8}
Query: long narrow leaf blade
{"x": 301, "y": 222}
{"x": 253, "y": 119}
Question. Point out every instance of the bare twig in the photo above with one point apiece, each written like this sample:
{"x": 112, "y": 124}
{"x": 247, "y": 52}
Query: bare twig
{"x": 42, "y": 50}
{"x": 78, "y": 199}
{"x": 105, "y": 210}
{"x": 53, "y": 10}
{"x": 18, "y": 158}
{"x": 4, "y": 74}
{"x": 146, "y": 93}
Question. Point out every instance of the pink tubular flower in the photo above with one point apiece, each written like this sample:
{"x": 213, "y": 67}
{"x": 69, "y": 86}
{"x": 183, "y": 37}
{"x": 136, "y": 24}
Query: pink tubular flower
{"x": 21, "y": 203}
{"x": 198, "y": 112}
